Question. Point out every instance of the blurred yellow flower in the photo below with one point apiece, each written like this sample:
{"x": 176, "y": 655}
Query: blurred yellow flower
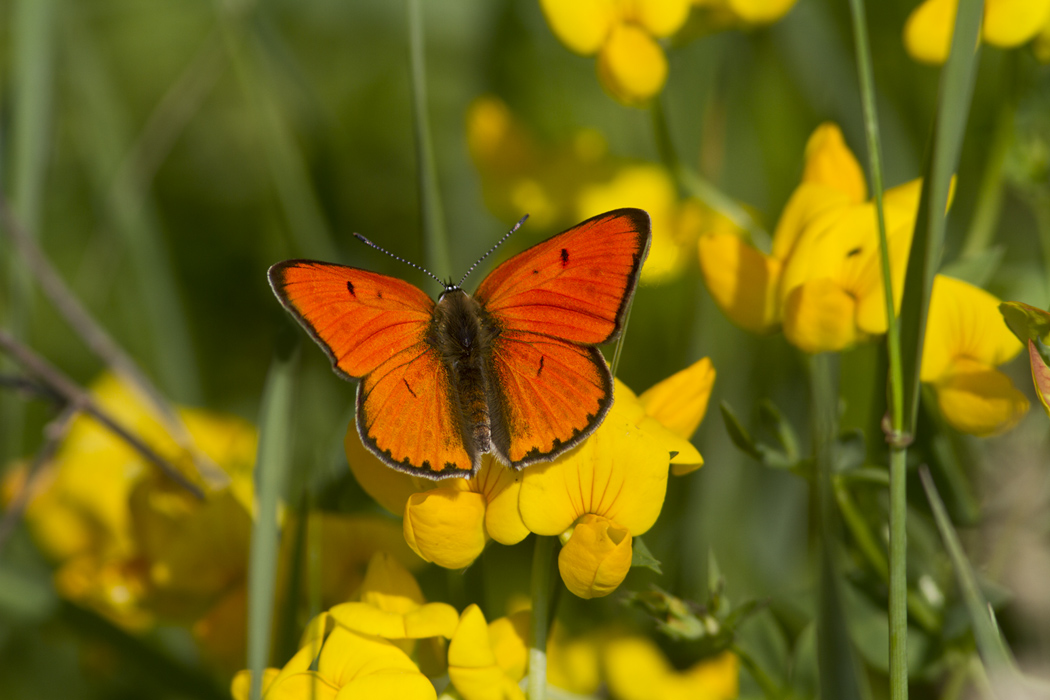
{"x": 485, "y": 662}
{"x": 631, "y": 64}
{"x": 730, "y": 13}
{"x": 605, "y": 491}
{"x": 450, "y": 524}
{"x": 676, "y": 223}
{"x": 823, "y": 281}
{"x": 637, "y": 670}
{"x": 133, "y": 545}
{"x": 391, "y": 605}
{"x": 350, "y": 665}
{"x": 966, "y": 340}
{"x": 1007, "y": 24}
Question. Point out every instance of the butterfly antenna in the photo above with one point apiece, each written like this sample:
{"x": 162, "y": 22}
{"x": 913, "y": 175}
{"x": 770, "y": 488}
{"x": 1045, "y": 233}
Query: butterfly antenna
{"x": 492, "y": 249}
{"x": 370, "y": 244}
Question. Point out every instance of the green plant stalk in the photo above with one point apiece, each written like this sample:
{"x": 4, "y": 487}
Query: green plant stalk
{"x": 542, "y": 556}
{"x": 838, "y": 671}
{"x": 990, "y": 193}
{"x": 869, "y": 547}
{"x": 690, "y": 181}
{"x": 898, "y": 573}
{"x": 434, "y": 233}
{"x": 271, "y": 469}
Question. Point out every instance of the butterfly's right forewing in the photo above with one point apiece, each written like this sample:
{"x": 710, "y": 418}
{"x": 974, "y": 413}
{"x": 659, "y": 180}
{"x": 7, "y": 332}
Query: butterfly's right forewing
{"x": 375, "y": 328}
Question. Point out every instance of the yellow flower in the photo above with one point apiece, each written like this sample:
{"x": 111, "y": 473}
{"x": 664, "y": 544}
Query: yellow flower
{"x": 134, "y": 546}
{"x": 485, "y": 662}
{"x": 676, "y": 223}
{"x": 822, "y": 282}
{"x": 672, "y": 410}
{"x": 1007, "y": 24}
{"x": 966, "y": 340}
{"x": 637, "y": 670}
{"x": 729, "y": 13}
{"x": 631, "y": 64}
{"x": 450, "y": 524}
{"x": 606, "y": 490}
{"x": 391, "y": 605}
{"x": 350, "y": 665}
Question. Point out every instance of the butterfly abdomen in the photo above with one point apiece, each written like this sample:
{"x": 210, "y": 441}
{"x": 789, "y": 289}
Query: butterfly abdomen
{"x": 462, "y": 335}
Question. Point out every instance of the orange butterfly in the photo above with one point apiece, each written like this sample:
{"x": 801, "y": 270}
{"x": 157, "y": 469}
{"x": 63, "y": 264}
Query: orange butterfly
{"x": 514, "y": 370}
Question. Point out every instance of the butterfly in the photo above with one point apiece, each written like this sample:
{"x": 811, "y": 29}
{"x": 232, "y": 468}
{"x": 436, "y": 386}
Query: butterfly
{"x": 513, "y": 370}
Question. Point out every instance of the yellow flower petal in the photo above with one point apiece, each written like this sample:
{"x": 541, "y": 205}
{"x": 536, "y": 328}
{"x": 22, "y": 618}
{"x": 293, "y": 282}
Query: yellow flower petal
{"x": 305, "y": 684}
{"x": 819, "y": 317}
{"x": 446, "y": 525}
{"x": 831, "y": 163}
{"x": 500, "y": 486}
{"x": 760, "y": 11}
{"x": 596, "y": 558}
{"x": 369, "y": 663}
{"x": 964, "y": 322}
{"x": 573, "y": 663}
{"x": 631, "y": 65}
{"x": 581, "y": 25}
{"x": 637, "y": 670}
{"x": 240, "y": 686}
{"x": 661, "y": 17}
{"x": 620, "y": 472}
{"x": 742, "y": 281}
{"x": 472, "y": 662}
{"x": 509, "y": 637}
{"x": 809, "y": 201}
{"x": 928, "y": 30}
{"x": 1010, "y": 23}
{"x": 680, "y": 401}
{"x": 978, "y": 399}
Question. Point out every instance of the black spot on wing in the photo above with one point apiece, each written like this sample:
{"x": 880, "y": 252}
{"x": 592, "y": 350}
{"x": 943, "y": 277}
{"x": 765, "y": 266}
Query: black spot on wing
{"x": 564, "y": 257}
{"x": 538, "y": 371}
{"x": 350, "y": 288}
{"x": 407, "y": 386}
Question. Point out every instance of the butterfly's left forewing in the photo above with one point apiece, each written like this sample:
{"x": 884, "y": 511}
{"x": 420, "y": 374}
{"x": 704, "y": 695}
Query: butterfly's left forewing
{"x": 374, "y": 328}
{"x": 552, "y": 304}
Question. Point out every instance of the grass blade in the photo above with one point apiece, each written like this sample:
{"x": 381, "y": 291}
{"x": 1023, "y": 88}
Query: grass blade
{"x": 957, "y": 80}
{"x": 990, "y": 645}
{"x": 434, "y": 233}
{"x": 271, "y": 468}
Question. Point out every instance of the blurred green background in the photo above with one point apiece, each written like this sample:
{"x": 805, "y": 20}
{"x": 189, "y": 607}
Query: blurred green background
{"x": 166, "y": 153}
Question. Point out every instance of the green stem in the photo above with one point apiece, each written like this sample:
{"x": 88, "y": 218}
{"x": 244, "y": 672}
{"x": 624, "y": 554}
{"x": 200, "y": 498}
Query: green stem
{"x": 839, "y": 672}
{"x": 542, "y": 556}
{"x": 990, "y": 194}
{"x": 434, "y": 232}
{"x": 769, "y": 687}
{"x": 690, "y": 181}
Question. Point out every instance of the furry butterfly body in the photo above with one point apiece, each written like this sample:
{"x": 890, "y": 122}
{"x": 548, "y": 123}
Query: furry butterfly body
{"x": 513, "y": 370}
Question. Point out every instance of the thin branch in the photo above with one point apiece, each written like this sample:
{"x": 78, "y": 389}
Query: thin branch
{"x": 79, "y": 399}
{"x": 28, "y": 387}
{"x": 54, "y": 432}
{"x": 100, "y": 343}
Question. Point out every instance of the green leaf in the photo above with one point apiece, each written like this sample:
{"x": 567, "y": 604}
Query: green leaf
{"x": 642, "y": 557}
{"x": 738, "y": 433}
{"x": 1027, "y": 322}
{"x": 772, "y": 419}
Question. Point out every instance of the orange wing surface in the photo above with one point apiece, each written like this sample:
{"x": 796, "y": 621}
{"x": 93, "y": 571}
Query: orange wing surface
{"x": 374, "y": 328}
{"x": 552, "y": 304}
{"x": 574, "y": 286}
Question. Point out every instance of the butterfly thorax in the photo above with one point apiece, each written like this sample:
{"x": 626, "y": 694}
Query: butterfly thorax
{"x": 463, "y": 332}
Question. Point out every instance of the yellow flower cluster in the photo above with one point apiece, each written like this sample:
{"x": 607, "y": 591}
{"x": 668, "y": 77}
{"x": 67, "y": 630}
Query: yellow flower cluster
{"x": 389, "y": 641}
{"x": 1007, "y": 24}
{"x": 140, "y": 550}
{"x": 595, "y": 498}
{"x": 558, "y": 186}
{"x": 625, "y": 35}
{"x": 822, "y": 284}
